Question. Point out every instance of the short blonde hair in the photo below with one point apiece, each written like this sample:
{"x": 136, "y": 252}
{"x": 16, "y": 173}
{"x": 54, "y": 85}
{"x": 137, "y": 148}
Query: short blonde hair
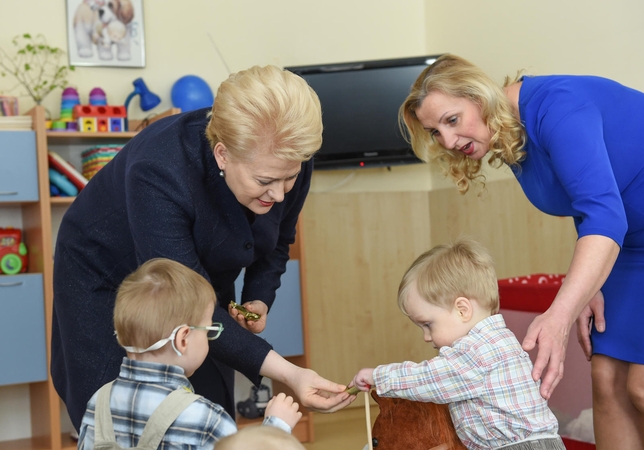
{"x": 266, "y": 108}
{"x": 446, "y": 272}
{"x": 156, "y": 298}
{"x": 456, "y": 77}
{"x": 260, "y": 436}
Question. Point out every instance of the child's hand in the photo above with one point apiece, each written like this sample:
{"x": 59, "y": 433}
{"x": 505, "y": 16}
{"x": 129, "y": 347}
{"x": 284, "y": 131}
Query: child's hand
{"x": 363, "y": 379}
{"x": 285, "y": 408}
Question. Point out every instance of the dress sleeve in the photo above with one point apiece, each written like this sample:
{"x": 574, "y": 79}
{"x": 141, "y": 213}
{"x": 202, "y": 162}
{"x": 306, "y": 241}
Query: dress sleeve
{"x": 262, "y": 278}
{"x": 440, "y": 380}
{"x": 573, "y": 136}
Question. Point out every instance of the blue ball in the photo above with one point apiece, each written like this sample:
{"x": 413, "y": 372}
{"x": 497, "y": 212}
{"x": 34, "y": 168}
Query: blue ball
{"x": 191, "y": 92}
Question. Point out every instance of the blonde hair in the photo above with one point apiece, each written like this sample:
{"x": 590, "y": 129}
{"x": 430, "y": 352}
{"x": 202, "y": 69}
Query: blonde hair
{"x": 266, "y": 108}
{"x": 456, "y": 77}
{"x": 260, "y": 436}
{"x": 157, "y": 297}
{"x": 446, "y": 272}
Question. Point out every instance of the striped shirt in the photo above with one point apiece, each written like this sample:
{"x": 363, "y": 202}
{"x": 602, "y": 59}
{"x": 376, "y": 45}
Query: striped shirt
{"x": 136, "y": 393}
{"x": 486, "y": 378}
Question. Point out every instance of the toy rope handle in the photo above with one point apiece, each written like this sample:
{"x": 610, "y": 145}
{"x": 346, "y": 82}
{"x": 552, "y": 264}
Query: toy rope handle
{"x": 368, "y": 414}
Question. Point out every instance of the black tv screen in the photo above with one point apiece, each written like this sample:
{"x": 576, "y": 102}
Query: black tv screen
{"x": 360, "y": 102}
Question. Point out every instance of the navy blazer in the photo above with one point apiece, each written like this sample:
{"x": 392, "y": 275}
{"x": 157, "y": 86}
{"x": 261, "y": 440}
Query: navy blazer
{"x": 161, "y": 196}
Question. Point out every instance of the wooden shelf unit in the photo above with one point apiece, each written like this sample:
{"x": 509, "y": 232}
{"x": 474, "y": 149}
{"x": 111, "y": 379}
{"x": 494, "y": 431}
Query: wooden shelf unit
{"x": 45, "y": 404}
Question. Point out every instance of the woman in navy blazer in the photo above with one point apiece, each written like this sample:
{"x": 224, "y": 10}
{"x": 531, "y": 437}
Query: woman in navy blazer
{"x": 217, "y": 192}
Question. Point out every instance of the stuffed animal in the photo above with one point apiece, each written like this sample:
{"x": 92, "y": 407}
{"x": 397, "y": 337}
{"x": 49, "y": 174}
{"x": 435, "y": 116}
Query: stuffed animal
{"x": 413, "y": 426}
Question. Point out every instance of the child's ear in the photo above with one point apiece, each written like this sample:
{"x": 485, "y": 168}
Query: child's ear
{"x": 181, "y": 339}
{"x": 463, "y": 307}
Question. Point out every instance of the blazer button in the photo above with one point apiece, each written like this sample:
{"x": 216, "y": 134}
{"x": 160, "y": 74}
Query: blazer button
{"x": 248, "y": 245}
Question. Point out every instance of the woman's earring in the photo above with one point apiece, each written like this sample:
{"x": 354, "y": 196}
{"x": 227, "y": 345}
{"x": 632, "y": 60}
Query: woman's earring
{"x": 221, "y": 173}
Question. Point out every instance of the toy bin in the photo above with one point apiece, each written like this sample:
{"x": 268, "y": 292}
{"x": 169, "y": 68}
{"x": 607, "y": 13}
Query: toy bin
{"x": 522, "y": 299}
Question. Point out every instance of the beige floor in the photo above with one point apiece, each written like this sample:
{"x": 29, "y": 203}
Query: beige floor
{"x": 343, "y": 430}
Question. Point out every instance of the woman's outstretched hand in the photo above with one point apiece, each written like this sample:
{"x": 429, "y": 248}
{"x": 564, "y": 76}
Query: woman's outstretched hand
{"x": 320, "y": 394}
{"x": 255, "y": 306}
{"x": 550, "y": 331}
{"x": 591, "y": 314}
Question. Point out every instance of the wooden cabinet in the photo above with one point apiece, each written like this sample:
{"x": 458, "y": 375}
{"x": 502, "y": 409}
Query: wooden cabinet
{"x": 39, "y": 231}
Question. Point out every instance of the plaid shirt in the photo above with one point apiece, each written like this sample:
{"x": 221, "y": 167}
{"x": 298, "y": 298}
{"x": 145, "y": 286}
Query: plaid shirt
{"x": 486, "y": 378}
{"x": 136, "y": 393}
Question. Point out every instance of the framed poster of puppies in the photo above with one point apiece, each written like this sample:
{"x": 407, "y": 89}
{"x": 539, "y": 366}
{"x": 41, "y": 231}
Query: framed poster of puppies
{"x": 105, "y": 33}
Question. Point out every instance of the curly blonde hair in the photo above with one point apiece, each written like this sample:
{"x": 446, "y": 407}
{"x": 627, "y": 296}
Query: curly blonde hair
{"x": 270, "y": 108}
{"x": 456, "y": 77}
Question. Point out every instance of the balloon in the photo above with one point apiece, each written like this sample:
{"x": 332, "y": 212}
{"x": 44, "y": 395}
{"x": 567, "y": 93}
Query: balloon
{"x": 191, "y": 92}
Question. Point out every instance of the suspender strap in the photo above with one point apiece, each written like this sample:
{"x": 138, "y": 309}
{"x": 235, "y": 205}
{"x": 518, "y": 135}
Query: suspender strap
{"x": 103, "y": 426}
{"x": 164, "y": 416}
{"x": 155, "y": 428}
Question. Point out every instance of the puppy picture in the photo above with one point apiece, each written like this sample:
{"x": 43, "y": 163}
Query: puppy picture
{"x": 105, "y": 33}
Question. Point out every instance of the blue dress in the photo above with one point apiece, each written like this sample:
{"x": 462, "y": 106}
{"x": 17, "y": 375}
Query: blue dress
{"x": 585, "y": 160}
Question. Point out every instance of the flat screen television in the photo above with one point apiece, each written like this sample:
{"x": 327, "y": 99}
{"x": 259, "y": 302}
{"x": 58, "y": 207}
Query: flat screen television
{"x": 360, "y": 102}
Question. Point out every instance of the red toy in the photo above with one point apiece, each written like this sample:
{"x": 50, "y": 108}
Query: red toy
{"x": 100, "y": 118}
{"x": 13, "y": 252}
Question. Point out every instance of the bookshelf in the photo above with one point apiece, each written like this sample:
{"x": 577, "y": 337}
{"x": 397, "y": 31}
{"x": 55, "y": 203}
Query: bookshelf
{"x": 39, "y": 235}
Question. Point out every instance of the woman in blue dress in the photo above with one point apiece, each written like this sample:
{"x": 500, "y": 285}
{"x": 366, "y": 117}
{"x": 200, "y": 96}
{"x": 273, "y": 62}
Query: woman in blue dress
{"x": 573, "y": 143}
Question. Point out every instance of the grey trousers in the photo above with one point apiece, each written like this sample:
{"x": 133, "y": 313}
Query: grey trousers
{"x": 538, "y": 444}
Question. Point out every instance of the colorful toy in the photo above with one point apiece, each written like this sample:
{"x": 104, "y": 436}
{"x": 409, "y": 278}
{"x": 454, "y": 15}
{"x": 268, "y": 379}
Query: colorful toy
{"x": 94, "y": 158}
{"x": 100, "y": 118}
{"x": 13, "y": 252}
{"x": 62, "y": 183}
{"x": 66, "y": 122}
{"x": 97, "y": 97}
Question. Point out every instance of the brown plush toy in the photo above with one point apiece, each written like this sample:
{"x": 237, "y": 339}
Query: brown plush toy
{"x": 413, "y": 426}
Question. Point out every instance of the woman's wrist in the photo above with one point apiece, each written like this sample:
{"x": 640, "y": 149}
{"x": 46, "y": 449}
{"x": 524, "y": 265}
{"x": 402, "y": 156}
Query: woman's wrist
{"x": 279, "y": 369}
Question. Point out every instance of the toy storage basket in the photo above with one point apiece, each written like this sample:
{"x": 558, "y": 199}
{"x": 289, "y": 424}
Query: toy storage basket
{"x": 522, "y": 299}
{"x": 94, "y": 158}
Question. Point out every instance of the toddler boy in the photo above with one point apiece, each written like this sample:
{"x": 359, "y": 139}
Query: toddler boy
{"x": 151, "y": 403}
{"x": 481, "y": 371}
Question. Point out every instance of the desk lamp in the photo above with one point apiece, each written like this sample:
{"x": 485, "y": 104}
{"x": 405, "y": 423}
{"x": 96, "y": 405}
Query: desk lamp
{"x": 147, "y": 101}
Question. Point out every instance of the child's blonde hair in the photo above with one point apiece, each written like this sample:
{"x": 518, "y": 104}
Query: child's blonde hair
{"x": 156, "y": 298}
{"x": 260, "y": 436}
{"x": 446, "y": 272}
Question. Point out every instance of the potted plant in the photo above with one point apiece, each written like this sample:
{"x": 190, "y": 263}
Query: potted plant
{"x": 36, "y": 66}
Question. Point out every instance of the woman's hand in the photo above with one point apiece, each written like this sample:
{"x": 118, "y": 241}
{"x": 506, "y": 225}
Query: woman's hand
{"x": 319, "y": 394}
{"x": 255, "y": 306}
{"x": 313, "y": 391}
{"x": 283, "y": 407}
{"x": 550, "y": 331}
{"x": 593, "y": 313}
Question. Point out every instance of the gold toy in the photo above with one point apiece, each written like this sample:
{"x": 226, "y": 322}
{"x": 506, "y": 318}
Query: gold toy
{"x": 244, "y": 312}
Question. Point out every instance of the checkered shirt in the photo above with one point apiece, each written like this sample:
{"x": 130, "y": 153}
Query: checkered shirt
{"x": 136, "y": 393}
{"x": 485, "y": 377}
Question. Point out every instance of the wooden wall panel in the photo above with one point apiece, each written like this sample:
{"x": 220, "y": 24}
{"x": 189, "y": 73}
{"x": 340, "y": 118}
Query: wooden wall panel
{"x": 358, "y": 247}
{"x": 522, "y": 239}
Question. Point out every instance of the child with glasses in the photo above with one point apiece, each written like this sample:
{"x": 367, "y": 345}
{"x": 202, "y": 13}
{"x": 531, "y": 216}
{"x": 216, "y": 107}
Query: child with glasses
{"x": 481, "y": 371}
{"x": 163, "y": 319}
